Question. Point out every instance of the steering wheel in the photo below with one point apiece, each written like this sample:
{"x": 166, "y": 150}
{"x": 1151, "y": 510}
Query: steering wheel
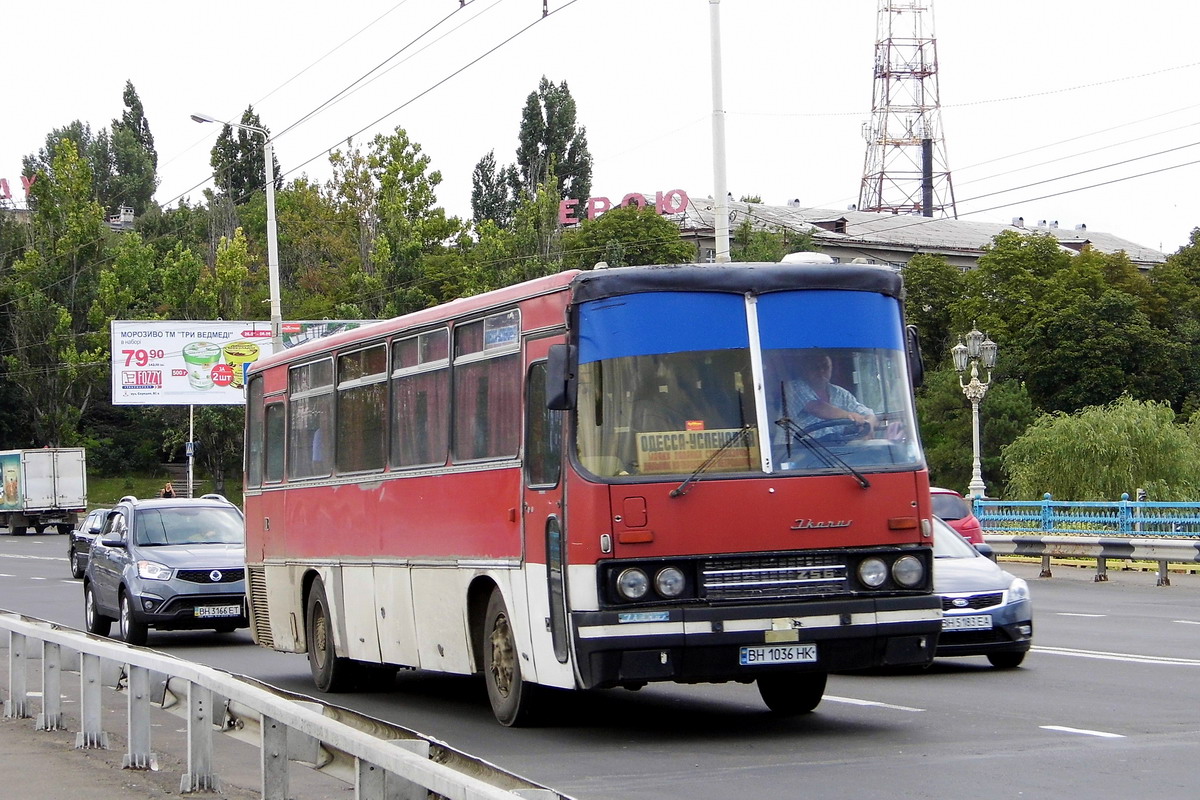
{"x": 851, "y": 430}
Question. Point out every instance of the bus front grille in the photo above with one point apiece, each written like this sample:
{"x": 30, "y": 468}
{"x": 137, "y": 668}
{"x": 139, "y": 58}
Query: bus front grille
{"x": 781, "y": 576}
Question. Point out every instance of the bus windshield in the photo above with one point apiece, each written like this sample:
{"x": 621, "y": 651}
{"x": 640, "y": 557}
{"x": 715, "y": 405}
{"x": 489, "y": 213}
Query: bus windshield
{"x": 834, "y": 391}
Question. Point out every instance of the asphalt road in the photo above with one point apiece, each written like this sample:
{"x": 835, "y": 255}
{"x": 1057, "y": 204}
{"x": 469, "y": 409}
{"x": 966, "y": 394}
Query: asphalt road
{"x": 1104, "y": 707}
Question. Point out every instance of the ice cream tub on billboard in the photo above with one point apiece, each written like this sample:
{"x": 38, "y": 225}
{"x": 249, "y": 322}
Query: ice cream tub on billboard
{"x": 186, "y": 362}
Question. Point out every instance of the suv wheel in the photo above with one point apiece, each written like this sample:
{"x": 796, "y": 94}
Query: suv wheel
{"x": 97, "y": 623}
{"x": 132, "y": 631}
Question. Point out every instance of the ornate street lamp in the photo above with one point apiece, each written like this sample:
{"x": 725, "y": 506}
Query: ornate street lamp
{"x": 272, "y": 232}
{"x": 978, "y": 350}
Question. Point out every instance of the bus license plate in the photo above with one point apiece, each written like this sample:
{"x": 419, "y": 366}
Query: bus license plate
{"x": 209, "y": 612}
{"x": 969, "y": 622}
{"x": 778, "y": 654}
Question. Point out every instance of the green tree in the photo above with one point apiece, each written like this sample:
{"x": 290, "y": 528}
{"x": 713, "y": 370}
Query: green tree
{"x": 411, "y": 224}
{"x": 492, "y": 192}
{"x": 47, "y": 295}
{"x": 623, "y": 237}
{"x": 750, "y": 243}
{"x": 237, "y": 160}
{"x": 933, "y": 287}
{"x": 551, "y": 141}
{"x": 1103, "y": 451}
{"x": 135, "y": 161}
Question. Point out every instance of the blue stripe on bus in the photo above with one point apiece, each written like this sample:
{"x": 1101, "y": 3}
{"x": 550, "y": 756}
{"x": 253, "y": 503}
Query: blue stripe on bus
{"x": 822, "y": 318}
{"x": 661, "y": 322}
{"x": 674, "y": 322}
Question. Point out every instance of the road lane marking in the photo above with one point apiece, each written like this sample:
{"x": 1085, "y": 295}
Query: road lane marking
{"x": 1083, "y": 731}
{"x": 1187, "y": 621}
{"x": 1130, "y": 657}
{"x": 29, "y": 557}
{"x": 856, "y": 702}
{"x": 1070, "y": 614}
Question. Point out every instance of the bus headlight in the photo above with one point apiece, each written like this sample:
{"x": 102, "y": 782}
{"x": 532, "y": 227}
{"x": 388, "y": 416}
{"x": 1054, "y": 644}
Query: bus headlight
{"x": 908, "y": 571}
{"x": 633, "y": 584}
{"x": 669, "y": 582}
{"x": 872, "y": 572}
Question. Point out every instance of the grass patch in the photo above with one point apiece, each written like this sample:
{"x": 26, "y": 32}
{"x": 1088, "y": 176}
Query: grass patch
{"x": 104, "y": 492}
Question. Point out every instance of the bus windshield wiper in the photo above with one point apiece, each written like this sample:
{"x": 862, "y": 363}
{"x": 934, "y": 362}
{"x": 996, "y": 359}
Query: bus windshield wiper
{"x": 741, "y": 435}
{"x": 827, "y": 456}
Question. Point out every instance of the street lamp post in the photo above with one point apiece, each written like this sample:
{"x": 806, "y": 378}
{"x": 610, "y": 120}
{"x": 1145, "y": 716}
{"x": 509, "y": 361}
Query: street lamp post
{"x": 272, "y": 233}
{"x": 978, "y": 350}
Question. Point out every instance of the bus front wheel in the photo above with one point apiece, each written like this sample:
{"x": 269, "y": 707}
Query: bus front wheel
{"x": 330, "y": 673}
{"x": 512, "y": 699}
{"x": 791, "y": 694}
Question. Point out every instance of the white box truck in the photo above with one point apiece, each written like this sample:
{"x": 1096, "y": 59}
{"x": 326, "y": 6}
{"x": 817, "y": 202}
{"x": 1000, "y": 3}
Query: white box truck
{"x": 43, "y": 488}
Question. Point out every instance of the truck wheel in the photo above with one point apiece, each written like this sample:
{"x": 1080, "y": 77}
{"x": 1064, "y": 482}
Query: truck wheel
{"x": 39, "y": 528}
{"x": 19, "y": 530}
{"x": 63, "y": 530}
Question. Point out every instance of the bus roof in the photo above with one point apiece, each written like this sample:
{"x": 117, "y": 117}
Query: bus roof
{"x": 736, "y": 278}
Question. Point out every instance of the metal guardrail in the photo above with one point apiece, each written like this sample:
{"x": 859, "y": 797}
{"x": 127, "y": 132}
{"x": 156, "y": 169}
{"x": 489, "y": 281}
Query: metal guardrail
{"x": 379, "y": 759}
{"x": 1127, "y": 529}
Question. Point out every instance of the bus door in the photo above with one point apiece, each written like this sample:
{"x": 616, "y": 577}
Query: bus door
{"x": 543, "y": 511}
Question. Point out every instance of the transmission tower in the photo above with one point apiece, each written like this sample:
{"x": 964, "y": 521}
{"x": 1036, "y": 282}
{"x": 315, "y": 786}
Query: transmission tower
{"x": 905, "y": 170}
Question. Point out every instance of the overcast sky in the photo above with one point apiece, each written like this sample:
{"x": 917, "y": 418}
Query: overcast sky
{"x": 1031, "y": 91}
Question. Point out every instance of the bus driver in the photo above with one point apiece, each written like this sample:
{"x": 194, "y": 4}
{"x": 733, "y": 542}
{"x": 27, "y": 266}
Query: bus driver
{"x": 815, "y": 399}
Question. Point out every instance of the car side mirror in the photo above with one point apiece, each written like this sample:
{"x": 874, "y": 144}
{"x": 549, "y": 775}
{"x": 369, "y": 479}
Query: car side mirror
{"x": 112, "y": 540}
{"x": 986, "y": 550}
{"x": 560, "y": 377}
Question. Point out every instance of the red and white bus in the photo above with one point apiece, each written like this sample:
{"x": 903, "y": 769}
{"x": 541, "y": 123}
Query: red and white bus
{"x": 598, "y": 479}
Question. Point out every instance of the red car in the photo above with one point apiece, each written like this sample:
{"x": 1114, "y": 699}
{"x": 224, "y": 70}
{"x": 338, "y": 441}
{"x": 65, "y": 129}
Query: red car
{"x": 956, "y": 510}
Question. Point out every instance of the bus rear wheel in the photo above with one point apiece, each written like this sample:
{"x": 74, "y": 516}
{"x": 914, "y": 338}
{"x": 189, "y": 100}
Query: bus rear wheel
{"x": 513, "y": 700}
{"x": 330, "y": 673}
{"x": 792, "y": 694}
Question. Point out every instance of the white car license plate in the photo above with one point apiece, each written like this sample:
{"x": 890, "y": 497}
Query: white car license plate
{"x": 967, "y": 622}
{"x": 206, "y": 612}
{"x": 778, "y": 654}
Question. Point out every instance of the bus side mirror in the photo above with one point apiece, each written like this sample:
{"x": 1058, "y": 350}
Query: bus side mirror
{"x": 560, "y": 379}
{"x": 916, "y": 365}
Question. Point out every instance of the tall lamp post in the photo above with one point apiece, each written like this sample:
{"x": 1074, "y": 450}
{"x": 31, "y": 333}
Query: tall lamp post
{"x": 978, "y": 350}
{"x": 272, "y": 233}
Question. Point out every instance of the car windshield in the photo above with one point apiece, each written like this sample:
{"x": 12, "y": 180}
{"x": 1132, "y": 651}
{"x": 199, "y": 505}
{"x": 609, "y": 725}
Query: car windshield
{"x": 181, "y": 525}
{"x": 950, "y": 506}
{"x": 661, "y": 395}
{"x": 947, "y": 543}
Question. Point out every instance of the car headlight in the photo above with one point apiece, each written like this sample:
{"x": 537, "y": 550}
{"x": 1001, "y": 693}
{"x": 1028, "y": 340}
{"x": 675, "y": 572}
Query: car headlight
{"x": 908, "y": 571}
{"x": 153, "y": 571}
{"x": 872, "y": 572}
{"x": 669, "y": 582}
{"x": 633, "y": 584}
{"x": 1018, "y": 590}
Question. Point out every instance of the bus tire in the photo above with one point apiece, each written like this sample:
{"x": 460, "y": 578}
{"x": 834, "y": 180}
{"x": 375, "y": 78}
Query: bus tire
{"x": 330, "y": 673}
{"x": 789, "y": 694}
{"x": 513, "y": 699}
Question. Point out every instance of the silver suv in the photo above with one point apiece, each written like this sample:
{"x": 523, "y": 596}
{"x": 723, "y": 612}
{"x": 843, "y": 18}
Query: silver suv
{"x": 172, "y": 563}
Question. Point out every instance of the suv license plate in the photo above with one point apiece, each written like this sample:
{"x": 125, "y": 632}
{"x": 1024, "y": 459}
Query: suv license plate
{"x": 206, "y": 612}
{"x": 778, "y": 654}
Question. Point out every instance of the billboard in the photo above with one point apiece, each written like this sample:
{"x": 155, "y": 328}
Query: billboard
{"x": 189, "y": 362}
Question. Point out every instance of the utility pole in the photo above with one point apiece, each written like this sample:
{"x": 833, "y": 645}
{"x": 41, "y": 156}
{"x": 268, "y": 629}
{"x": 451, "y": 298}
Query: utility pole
{"x": 906, "y": 170}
